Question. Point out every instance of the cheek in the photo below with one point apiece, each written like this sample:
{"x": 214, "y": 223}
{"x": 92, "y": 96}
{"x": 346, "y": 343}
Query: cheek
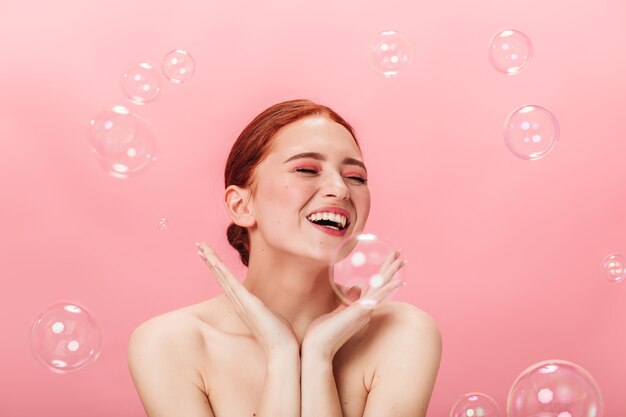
{"x": 364, "y": 205}
{"x": 283, "y": 199}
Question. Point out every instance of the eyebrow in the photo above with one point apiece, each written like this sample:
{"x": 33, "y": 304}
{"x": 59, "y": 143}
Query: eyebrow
{"x": 322, "y": 157}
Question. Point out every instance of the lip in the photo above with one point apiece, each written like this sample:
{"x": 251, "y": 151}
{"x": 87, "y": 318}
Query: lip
{"x": 333, "y": 209}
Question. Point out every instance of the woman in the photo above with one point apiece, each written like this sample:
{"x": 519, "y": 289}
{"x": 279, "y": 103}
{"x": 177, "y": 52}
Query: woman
{"x": 282, "y": 344}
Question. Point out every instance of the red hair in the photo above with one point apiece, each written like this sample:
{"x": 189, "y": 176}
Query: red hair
{"x": 251, "y": 148}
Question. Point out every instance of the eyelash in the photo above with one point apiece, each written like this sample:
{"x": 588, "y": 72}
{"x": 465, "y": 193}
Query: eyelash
{"x": 312, "y": 171}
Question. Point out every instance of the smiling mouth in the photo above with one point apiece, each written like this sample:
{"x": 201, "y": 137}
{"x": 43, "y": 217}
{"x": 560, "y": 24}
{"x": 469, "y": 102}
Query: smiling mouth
{"x": 330, "y": 224}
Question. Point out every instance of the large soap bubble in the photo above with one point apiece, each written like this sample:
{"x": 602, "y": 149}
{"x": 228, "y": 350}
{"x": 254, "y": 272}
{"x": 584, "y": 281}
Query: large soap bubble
{"x": 510, "y": 51}
{"x": 555, "y": 388}
{"x": 361, "y": 261}
{"x": 122, "y": 142}
{"x": 178, "y": 66}
{"x": 65, "y": 337}
{"x": 141, "y": 82}
{"x": 531, "y": 132}
{"x": 389, "y": 51}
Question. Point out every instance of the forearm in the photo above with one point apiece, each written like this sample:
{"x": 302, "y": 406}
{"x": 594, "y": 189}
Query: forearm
{"x": 319, "y": 389}
{"x": 281, "y": 389}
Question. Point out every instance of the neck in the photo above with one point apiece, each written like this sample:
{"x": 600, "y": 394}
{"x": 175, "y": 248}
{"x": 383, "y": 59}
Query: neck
{"x": 298, "y": 290}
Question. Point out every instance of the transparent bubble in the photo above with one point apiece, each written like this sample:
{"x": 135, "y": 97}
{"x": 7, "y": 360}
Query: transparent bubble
{"x": 554, "y": 388}
{"x": 531, "y": 132}
{"x": 359, "y": 262}
{"x": 178, "y": 66}
{"x": 614, "y": 267}
{"x": 141, "y": 82}
{"x": 122, "y": 142}
{"x": 389, "y": 51}
{"x": 475, "y": 404}
{"x": 65, "y": 338}
{"x": 163, "y": 224}
{"x": 510, "y": 51}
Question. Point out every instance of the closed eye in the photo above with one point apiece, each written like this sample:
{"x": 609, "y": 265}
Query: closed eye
{"x": 359, "y": 179}
{"x": 353, "y": 177}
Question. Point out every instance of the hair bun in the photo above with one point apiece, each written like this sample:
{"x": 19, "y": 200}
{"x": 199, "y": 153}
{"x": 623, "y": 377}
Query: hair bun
{"x": 238, "y": 239}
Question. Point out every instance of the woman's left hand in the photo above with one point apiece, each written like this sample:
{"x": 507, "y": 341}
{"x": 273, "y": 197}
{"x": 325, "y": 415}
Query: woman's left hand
{"x": 326, "y": 334}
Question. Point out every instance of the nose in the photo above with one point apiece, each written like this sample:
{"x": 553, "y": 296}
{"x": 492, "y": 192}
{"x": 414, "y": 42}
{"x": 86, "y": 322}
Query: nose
{"x": 336, "y": 187}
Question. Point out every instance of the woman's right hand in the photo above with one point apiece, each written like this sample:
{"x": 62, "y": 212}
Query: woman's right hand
{"x": 273, "y": 332}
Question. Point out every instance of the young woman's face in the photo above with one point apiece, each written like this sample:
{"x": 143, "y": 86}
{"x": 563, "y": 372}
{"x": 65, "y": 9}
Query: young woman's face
{"x": 313, "y": 165}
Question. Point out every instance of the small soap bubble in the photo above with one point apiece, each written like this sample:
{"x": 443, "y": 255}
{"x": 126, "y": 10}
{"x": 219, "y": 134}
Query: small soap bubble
{"x": 510, "y": 51}
{"x": 122, "y": 142}
{"x": 475, "y": 404}
{"x": 555, "y": 388}
{"x": 141, "y": 83}
{"x": 531, "y": 132}
{"x": 389, "y": 52}
{"x": 65, "y": 338}
{"x": 163, "y": 224}
{"x": 361, "y": 261}
{"x": 178, "y": 66}
{"x": 614, "y": 267}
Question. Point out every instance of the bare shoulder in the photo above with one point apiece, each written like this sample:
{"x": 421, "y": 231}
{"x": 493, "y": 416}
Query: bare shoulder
{"x": 173, "y": 330}
{"x": 406, "y": 350}
{"x": 397, "y": 329}
{"x": 183, "y": 332}
{"x": 401, "y": 330}
{"x": 402, "y": 319}
{"x": 164, "y": 354}
{"x": 174, "y": 337}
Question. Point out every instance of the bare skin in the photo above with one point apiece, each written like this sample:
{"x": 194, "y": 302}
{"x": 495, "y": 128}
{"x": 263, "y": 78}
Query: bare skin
{"x": 229, "y": 366}
{"x": 281, "y": 344}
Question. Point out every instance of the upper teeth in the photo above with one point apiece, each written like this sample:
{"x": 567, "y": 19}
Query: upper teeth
{"x": 333, "y": 217}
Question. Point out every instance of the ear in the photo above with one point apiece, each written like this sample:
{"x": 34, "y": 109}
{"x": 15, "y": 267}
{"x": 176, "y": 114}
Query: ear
{"x": 238, "y": 205}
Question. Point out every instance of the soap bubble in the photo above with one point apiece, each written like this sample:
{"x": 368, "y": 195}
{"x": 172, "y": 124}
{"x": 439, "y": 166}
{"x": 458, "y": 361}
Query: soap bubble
{"x": 510, "y": 51}
{"x": 614, "y": 267}
{"x": 554, "y": 388}
{"x": 531, "y": 132}
{"x": 122, "y": 142}
{"x": 65, "y": 338}
{"x": 475, "y": 404}
{"x": 389, "y": 51}
{"x": 141, "y": 82}
{"x": 358, "y": 262}
{"x": 178, "y": 66}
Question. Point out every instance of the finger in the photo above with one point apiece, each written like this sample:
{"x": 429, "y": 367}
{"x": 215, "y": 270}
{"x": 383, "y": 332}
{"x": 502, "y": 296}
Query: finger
{"x": 383, "y": 273}
{"x": 218, "y": 265}
{"x": 374, "y": 299}
{"x": 383, "y": 290}
{"x": 353, "y": 293}
{"x": 231, "y": 280}
{"x": 227, "y": 281}
{"x": 391, "y": 270}
{"x": 390, "y": 258}
{"x": 221, "y": 280}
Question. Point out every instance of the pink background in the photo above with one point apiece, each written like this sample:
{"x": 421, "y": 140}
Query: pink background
{"x": 504, "y": 253}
